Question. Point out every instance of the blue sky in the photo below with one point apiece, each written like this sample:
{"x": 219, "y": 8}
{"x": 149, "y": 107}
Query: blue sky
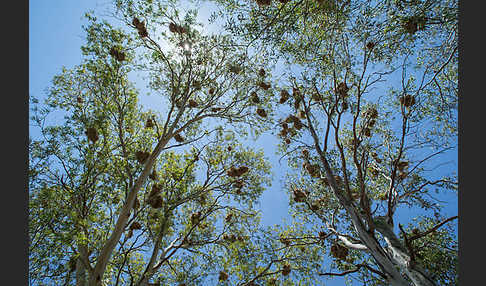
{"x": 55, "y": 38}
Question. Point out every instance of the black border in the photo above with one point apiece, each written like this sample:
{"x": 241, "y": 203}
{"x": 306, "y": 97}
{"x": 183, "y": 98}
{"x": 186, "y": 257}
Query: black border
{"x": 15, "y": 56}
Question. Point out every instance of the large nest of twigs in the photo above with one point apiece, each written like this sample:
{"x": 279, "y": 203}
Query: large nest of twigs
{"x": 264, "y": 2}
{"x": 284, "y": 95}
{"x": 342, "y": 89}
{"x": 149, "y": 123}
{"x": 235, "y": 69}
{"x": 117, "y": 54}
{"x": 312, "y": 169}
{"x": 142, "y": 156}
{"x": 261, "y": 72}
{"x": 153, "y": 176}
{"x": 223, "y": 276}
{"x": 192, "y": 103}
{"x": 179, "y": 138}
{"x": 299, "y": 195}
{"x": 195, "y": 217}
{"x": 286, "y": 270}
{"x": 92, "y": 134}
{"x": 135, "y": 225}
{"x": 261, "y": 112}
{"x": 338, "y": 251}
{"x": 264, "y": 85}
{"x": 174, "y": 28}
{"x": 237, "y": 172}
{"x": 140, "y": 26}
{"x": 254, "y": 97}
{"x": 407, "y": 100}
{"x": 155, "y": 202}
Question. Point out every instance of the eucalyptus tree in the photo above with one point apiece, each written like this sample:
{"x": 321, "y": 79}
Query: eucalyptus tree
{"x": 368, "y": 107}
{"x": 122, "y": 195}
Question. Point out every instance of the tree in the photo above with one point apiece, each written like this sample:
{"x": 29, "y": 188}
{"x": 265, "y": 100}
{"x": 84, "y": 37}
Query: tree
{"x": 123, "y": 195}
{"x": 368, "y": 106}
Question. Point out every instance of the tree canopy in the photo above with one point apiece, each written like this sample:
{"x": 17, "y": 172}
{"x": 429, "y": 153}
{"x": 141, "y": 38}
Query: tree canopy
{"x": 361, "y": 94}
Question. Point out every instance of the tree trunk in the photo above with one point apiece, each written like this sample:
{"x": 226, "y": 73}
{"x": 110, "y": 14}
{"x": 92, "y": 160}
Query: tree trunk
{"x": 107, "y": 250}
{"x": 401, "y": 257}
{"x": 80, "y": 273}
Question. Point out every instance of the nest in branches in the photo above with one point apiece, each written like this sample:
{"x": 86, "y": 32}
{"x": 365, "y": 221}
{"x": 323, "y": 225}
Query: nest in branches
{"x": 237, "y": 172}
{"x": 407, "y": 100}
{"x": 298, "y": 124}
{"x": 142, "y": 156}
{"x": 342, "y": 89}
{"x": 402, "y": 175}
{"x": 264, "y": 85}
{"x": 238, "y": 184}
{"x": 305, "y": 153}
{"x": 284, "y": 95}
{"x": 344, "y": 105}
{"x": 261, "y": 72}
{"x": 254, "y": 97}
{"x": 178, "y": 138}
{"x": 155, "y": 201}
{"x": 316, "y": 97}
{"x": 235, "y": 69}
{"x": 285, "y": 241}
{"x": 192, "y": 103}
{"x": 156, "y": 189}
{"x": 283, "y": 132}
{"x": 370, "y": 45}
{"x": 142, "y": 30}
{"x": 367, "y": 132}
{"x": 297, "y": 103}
{"x": 79, "y": 99}
{"x": 402, "y": 165}
{"x": 117, "y": 54}
{"x": 228, "y": 218}
{"x": 299, "y": 195}
{"x": 211, "y": 91}
{"x": 375, "y": 156}
{"x": 135, "y": 225}
{"x": 92, "y": 134}
{"x": 149, "y": 123}
{"x": 229, "y": 148}
{"x": 371, "y": 113}
{"x": 322, "y": 235}
{"x": 410, "y": 25}
{"x": 264, "y": 2}
{"x": 287, "y": 141}
{"x": 195, "y": 217}
{"x": 174, "y": 28}
{"x": 338, "y": 251}
{"x": 286, "y": 270}
{"x": 197, "y": 85}
{"x": 371, "y": 123}
{"x": 261, "y": 112}
{"x": 153, "y": 175}
{"x": 230, "y": 238}
{"x": 223, "y": 276}
{"x": 312, "y": 169}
